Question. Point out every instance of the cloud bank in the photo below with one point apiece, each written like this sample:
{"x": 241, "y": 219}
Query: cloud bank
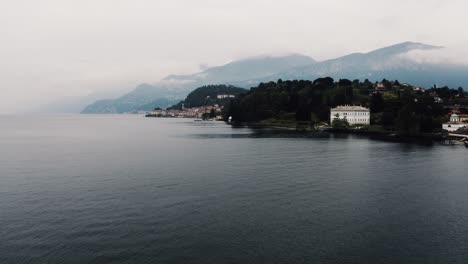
{"x": 55, "y": 48}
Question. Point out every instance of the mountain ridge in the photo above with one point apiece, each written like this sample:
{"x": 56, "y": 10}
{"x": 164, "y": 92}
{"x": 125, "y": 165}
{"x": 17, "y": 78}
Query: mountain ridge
{"x": 176, "y": 87}
{"x": 389, "y": 62}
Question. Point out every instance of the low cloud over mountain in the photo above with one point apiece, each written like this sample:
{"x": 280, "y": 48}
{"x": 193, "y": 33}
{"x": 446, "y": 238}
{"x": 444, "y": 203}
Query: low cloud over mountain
{"x": 416, "y": 63}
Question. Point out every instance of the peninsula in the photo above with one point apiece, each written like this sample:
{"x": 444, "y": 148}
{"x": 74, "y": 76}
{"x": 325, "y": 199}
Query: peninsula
{"x": 389, "y": 106}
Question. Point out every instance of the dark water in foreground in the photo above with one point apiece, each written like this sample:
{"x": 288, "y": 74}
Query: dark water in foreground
{"x": 125, "y": 189}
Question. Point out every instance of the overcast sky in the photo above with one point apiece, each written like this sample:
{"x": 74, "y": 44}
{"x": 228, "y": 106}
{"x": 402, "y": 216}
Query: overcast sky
{"x": 55, "y": 48}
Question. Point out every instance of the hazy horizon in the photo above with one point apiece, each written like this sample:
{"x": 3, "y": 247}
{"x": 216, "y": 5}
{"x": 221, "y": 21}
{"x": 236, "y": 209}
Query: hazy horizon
{"x": 55, "y": 49}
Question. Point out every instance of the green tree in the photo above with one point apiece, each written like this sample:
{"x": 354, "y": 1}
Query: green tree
{"x": 340, "y": 124}
{"x": 212, "y": 113}
{"x": 377, "y": 103}
{"x": 461, "y": 92}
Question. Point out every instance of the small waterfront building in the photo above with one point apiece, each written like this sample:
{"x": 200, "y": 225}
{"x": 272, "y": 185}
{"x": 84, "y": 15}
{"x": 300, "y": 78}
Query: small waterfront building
{"x": 454, "y": 124}
{"x": 355, "y": 115}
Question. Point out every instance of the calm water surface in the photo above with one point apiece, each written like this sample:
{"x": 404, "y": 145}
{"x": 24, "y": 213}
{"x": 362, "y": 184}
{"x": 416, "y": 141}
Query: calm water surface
{"x": 128, "y": 189}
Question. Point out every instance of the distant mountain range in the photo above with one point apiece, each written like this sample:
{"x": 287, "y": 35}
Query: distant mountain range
{"x": 389, "y": 62}
{"x": 176, "y": 87}
{"x": 144, "y": 97}
{"x": 75, "y": 104}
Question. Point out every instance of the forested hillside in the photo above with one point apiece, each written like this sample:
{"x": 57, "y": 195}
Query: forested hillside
{"x": 208, "y": 95}
{"x": 396, "y": 106}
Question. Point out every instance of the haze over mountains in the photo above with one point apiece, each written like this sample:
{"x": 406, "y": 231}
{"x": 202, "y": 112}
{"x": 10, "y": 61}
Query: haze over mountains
{"x": 390, "y": 62}
{"x": 176, "y": 87}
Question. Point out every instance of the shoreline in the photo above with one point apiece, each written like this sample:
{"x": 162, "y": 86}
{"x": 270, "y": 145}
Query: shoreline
{"x": 389, "y": 136}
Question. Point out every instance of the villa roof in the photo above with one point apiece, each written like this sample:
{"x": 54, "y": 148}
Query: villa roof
{"x": 350, "y": 108}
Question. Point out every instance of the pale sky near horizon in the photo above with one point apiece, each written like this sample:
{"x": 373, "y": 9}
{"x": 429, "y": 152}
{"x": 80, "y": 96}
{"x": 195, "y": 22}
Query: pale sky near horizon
{"x": 57, "y": 48}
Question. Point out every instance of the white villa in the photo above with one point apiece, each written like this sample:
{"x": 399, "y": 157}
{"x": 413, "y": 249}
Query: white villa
{"x": 355, "y": 115}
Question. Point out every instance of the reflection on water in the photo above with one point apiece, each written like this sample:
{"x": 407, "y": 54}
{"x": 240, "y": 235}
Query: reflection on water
{"x": 127, "y": 189}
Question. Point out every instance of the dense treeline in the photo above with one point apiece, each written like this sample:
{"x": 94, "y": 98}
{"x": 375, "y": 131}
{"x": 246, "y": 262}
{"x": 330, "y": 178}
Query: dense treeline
{"x": 301, "y": 100}
{"x": 396, "y": 106}
{"x": 207, "y": 95}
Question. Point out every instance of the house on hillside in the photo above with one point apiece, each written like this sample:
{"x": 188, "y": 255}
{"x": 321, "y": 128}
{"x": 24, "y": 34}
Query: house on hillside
{"x": 355, "y": 115}
{"x": 380, "y": 87}
{"x": 419, "y": 89}
{"x": 224, "y": 96}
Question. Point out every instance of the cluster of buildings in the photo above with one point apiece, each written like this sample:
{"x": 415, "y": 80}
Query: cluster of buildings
{"x": 194, "y": 112}
{"x": 457, "y": 120}
{"x": 380, "y": 87}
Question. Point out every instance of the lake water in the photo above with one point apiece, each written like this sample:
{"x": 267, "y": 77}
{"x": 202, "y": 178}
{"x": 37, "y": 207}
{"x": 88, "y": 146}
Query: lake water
{"x": 129, "y": 189}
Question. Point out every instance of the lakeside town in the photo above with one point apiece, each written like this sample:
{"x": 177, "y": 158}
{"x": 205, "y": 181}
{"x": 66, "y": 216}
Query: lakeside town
{"x": 193, "y": 112}
{"x": 457, "y": 114}
{"x": 384, "y": 107}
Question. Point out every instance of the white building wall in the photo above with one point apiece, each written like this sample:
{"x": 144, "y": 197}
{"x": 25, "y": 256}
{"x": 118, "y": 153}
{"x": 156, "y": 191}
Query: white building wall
{"x": 452, "y": 127}
{"x": 354, "y": 117}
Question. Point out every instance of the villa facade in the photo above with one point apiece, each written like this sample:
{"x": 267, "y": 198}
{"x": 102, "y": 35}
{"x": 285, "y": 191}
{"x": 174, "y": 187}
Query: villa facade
{"x": 355, "y": 115}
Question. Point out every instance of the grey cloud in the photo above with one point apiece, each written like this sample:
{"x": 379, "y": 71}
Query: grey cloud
{"x": 55, "y": 48}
